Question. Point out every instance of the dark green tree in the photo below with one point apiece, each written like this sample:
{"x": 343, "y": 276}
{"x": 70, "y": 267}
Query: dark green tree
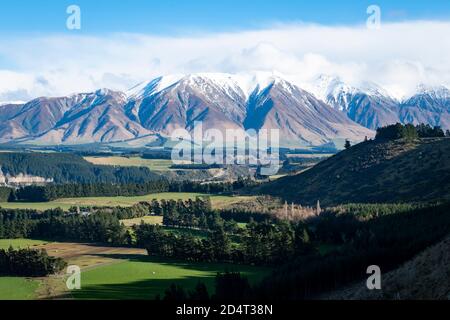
{"x": 348, "y": 144}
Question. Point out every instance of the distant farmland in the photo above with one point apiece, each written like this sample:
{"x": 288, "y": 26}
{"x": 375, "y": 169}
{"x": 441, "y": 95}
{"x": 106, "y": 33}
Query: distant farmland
{"x": 65, "y": 204}
{"x": 152, "y": 164}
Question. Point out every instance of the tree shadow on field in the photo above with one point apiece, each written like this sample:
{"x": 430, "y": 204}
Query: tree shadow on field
{"x": 139, "y": 290}
{"x": 148, "y": 289}
{"x": 186, "y": 265}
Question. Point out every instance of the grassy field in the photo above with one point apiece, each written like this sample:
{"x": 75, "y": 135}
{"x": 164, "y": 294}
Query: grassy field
{"x": 217, "y": 201}
{"x": 142, "y": 277}
{"x": 18, "y": 288}
{"x": 115, "y": 273}
{"x": 152, "y": 164}
{"x": 20, "y": 243}
{"x": 155, "y": 220}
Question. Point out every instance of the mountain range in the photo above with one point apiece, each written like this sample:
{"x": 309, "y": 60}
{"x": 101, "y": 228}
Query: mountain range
{"x": 373, "y": 107}
{"x": 332, "y": 112}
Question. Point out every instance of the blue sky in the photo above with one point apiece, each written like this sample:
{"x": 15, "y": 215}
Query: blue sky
{"x": 180, "y": 16}
{"x": 125, "y": 42}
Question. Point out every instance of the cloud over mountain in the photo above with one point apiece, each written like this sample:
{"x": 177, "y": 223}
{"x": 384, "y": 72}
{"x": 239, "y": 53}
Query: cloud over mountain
{"x": 397, "y": 57}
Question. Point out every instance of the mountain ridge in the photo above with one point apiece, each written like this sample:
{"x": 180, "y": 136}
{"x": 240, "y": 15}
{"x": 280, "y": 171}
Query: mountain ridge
{"x": 373, "y": 107}
{"x": 162, "y": 105}
{"x": 221, "y": 101}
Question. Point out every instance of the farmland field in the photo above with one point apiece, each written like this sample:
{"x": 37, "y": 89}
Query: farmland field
{"x": 16, "y": 288}
{"x": 143, "y": 277}
{"x": 65, "y": 204}
{"x": 116, "y": 273}
{"x": 152, "y": 164}
{"x": 20, "y": 243}
{"x": 155, "y": 220}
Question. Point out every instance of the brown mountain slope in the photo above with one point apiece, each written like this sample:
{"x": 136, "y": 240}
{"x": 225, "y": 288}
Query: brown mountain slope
{"x": 299, "y": 116}
{"x": 99, "y": 117}
{"x": 395, "y": 171}
{"x": 192, "y": 99}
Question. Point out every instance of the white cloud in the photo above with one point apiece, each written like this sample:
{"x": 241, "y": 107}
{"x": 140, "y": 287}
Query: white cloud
{"x": 398, "y": 57}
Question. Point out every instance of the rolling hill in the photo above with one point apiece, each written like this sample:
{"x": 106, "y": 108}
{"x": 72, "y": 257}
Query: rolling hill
{"x": 373, "y": 171}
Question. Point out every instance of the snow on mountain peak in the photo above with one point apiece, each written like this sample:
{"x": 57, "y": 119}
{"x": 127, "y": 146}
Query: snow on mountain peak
{"x": 328, "y": 88}
{"x": 244, "y": 83}
{"x": 436, "y": 92}
{"x": 5, "y": 103}
{"x": 325, "y": 87}
{"x": 148, "y": 88}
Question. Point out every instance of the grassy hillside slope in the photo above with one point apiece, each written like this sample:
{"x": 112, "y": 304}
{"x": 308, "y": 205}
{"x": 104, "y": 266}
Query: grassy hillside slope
{"x": 394, "y": 171}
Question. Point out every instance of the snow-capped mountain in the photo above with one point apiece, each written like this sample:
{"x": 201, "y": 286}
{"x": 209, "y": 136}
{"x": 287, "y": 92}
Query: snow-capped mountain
{"x": 368, "y": 104}
{"x": 34, "y": 117}
{"x": 334, "y": 110}
{"x": 223, "y": 101}
{"x": 371, "y": 106}
{"x": 97, "y": 117}
{"x": 430, "y": 105}
{"x": 299, "y": 115}
{"x": 164, "y": 105}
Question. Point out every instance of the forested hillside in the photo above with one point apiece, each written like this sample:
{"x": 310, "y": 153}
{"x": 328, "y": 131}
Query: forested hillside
{"x": 377, "y": 171}
{"x": 70, "y": 168}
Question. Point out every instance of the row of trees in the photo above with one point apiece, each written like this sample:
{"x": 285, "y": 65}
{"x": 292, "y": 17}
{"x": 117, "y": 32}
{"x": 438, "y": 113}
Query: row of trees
{"x": 260, "y": 243}
{"x": 55, "y": 223}
{"x": 56, "y": 191}
{"x": 409, "y": 132}
{"x": 29, "y": 263}
{"x": 213, "y": 187}
{"x": 160, "y": 243}
{"x": 101, "y": 227}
